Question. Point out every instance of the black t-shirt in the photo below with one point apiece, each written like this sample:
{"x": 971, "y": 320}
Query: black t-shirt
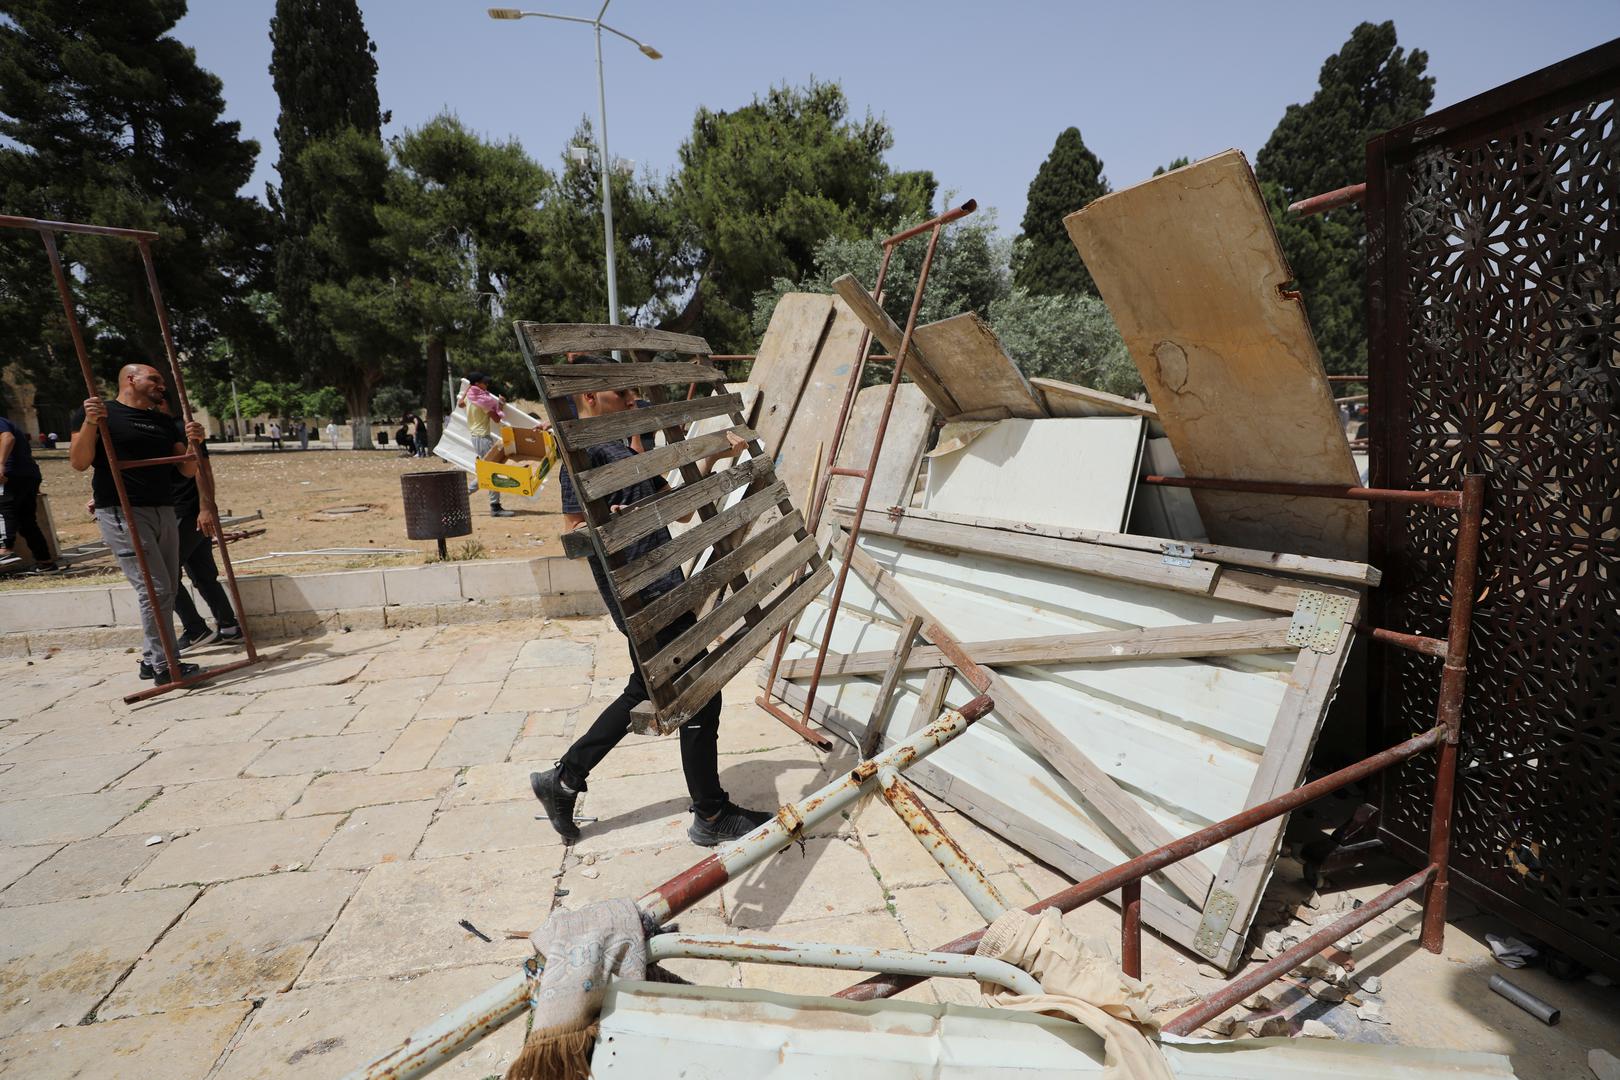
{"x": 136, "y": 434}
{"x": 602, "y": 455}
{"x": 20, "y": 465}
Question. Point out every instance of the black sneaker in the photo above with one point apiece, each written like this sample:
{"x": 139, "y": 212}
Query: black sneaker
{"x": 559, "y": 803}
{"x": 161, "y": 676}
{"x": 501, "y": 511}
{"x": 228, "y": 635}
{"x": 731, "y": 823}
{"x": 145, "y": 671}
{"x": 202, "y": 637}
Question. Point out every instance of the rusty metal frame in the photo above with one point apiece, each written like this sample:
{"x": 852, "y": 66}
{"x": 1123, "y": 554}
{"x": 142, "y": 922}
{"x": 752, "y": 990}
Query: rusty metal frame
{"x": 933, "y": 227}
{"x": 143, "y": 239}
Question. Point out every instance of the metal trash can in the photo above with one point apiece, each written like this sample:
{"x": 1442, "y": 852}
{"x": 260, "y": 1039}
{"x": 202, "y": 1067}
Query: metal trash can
{"x": 436, "y": 506}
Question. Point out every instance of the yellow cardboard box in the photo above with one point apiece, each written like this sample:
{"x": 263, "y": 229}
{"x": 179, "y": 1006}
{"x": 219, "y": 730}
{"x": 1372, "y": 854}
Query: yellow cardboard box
{"x": 529, "y": 456}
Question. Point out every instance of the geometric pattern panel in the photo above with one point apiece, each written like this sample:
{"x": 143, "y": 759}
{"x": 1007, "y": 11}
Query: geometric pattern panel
{"x": 1494, "y": 323}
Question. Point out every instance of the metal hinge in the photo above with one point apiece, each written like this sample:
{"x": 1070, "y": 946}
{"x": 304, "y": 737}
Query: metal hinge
{"x": 1319, "y": 618}
{"x": 1217, "y": 920}
{"x": 1178, "y": 555}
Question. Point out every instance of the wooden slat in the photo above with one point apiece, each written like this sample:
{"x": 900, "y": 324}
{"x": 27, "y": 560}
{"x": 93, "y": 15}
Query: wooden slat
{"x": 932, "y": 700}
{"x": 738, "y": 651}
{"x": 550, "y": 339}
{"x": 667, "y": 663}
{"x": 1118, "y": 563}
{"x": 650, "y": 515}
{"x": 655, "y": 564}
{"x": 691, "y": 594}
{"x": 603, "y": 480}
{"x": 878, "y": 725}
{"x": 1072, "y": 399}
{"x": 1131, "y": 822}
{"x": 616, "y": 427}
{"x": 561, "y": 380}
{"x": 890, "y": 337}
{"x": 787, "y": 354}
{"x": 970, "y": 361}
{"x": 1108, "y": 646}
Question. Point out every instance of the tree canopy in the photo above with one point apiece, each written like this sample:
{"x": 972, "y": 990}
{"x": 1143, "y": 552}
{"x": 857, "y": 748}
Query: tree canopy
{"x": 1045, "y": 260}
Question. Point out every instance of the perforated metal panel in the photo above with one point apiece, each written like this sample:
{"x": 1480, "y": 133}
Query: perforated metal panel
{"x": 1494, "y": 272}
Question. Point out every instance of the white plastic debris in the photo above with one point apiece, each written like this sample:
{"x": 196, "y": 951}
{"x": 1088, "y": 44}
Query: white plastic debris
{"x": 1315, "y": 1029}
{"x": 590, "y": 872}
{"x": 151, "y": 840}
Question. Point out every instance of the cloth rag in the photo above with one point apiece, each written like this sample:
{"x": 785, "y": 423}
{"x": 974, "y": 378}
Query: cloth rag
{"x": 477, "y": 395}
{"x": 1510, "y": 952}
{"x": 581, "y": 951}
{"x": 1081, "y": 982}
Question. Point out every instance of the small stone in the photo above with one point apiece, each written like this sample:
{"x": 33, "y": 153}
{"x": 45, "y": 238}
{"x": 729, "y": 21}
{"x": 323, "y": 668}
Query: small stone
{"x": 1269, "y": 1027}
{"x": 1272, "y": 943}
{"x": 1370, "y": 983}
{"x": 588, "y": 859}
{"x": 1314, "y": 900}
{"x": 295, "y": 866}
{"x": 1322, "y": 990}
{"x": 151, "y": 840}
{"x": 1259, "y": 1002}
{"x": 590, "y": 872}
{"x": 1372, "y": 1012}
{"x": 1315, "y": 1029}
{"x": 1225, "y": 1024}
{"x": 1210, "y": 971}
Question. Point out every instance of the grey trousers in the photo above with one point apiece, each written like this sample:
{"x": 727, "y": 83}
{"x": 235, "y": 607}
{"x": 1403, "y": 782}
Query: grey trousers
{"x": 481, "y": 446}
{"x": 160, "y": 540}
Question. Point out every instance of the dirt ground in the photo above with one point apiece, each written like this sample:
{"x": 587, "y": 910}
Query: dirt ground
{"x": 297, "y": 490}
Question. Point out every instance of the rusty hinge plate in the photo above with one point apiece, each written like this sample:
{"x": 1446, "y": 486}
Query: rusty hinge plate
{"x": 1319, "y": 618}
{"x": 1178, "y": 555}
{"x": 1217, "y": 920}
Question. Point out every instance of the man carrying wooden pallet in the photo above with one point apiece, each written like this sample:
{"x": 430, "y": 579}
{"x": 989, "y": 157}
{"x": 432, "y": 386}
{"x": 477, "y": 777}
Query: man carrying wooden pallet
{"x": 715, "y": 818}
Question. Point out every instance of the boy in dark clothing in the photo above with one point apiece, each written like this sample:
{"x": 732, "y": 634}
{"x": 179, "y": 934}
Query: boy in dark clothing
{"x": 715, "y": 818}
{"x": 195, "y": 527}
{"x": 19, "y": 496}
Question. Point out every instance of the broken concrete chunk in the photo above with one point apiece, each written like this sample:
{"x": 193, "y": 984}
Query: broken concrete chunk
{"x": 1322, "y": 990}
{"x": 1225, "y": 1024}
{"x": 1315, "y": 1029}
{"x": 1270, "y": 1026}
{"x": 1260, "y": 1002}
{"x": 1372, "y": 1012}
{"x": 1272, "y": 943}
{"x": 1370, "y": 983}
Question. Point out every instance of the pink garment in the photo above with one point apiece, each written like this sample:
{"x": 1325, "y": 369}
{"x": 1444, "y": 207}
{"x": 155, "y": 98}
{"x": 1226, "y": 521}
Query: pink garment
{"x": 477, "y": 395}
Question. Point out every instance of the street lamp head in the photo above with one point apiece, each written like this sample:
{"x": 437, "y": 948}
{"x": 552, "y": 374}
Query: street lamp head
{"x": 505, "y": 13}
{"x": 651, "y": 53}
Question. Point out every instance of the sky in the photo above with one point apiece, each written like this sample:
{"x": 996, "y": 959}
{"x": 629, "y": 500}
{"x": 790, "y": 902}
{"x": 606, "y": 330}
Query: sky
{"x": 975, "y": 92}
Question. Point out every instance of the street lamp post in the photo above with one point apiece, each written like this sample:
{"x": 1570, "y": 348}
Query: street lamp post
{"x": 601, "y": 106}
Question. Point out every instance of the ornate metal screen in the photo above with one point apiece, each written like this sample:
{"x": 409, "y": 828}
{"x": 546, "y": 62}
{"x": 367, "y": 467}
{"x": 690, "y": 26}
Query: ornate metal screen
{"x": 1493, "y": 277}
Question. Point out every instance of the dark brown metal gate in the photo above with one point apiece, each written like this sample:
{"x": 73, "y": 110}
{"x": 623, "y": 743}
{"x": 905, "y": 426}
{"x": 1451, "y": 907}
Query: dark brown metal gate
{"x": 1494, "y": 339}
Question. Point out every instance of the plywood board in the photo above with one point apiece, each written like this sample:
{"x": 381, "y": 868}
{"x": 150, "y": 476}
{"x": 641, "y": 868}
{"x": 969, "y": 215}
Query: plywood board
{"x": 1072, "y": 399}
{"x": 1079, "y": 473}
{"x": 782, "y": 364}
{"x": 973, "y": 366}
{"x": 1189, "y": 264}
{"x": 819, "y": 402}
{"x": 910, "y": 423}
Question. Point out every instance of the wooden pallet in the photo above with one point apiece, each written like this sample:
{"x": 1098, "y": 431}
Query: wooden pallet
{"x": 738, "y": 609}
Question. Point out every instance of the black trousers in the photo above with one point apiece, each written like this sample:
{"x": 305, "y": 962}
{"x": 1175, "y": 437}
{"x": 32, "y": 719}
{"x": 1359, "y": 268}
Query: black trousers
{"x": 19, "y": 511}
{"x": 197, "y": 556}
{"x": 700, "y": 737}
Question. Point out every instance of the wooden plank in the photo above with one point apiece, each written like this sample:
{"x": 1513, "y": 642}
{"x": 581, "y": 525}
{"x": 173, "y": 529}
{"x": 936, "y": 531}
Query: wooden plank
{"x": 667, "y": 663}
{"x": 551, "y": 339}
{"x": 932, "y": 700}
{"x": 878, "y": 725}
{"x": 891, "y": 337}
{"x": 691, "y": 594}
{"x": 1124, "y": 564}
{"x": 1190, "y": 266}
{"x": 1157, "y": 643}
{"x": 1072, "y": 399}
{"x": 712, "y": 673}
{"x": 616, "y": 427}
{"x": 970, "y": 362}
{"x": 783, "y": 362}
{"x": 910, "y": 424}
{"x": 1133, "y": 824}
{"x": 649, "y": 515}
{"x": 562, "y": 380}
{"x": 1351, "y": 573}
{"x": 617, "y": 475}
{"x": 632, "y": 577}
{"x": 802, "y": 449}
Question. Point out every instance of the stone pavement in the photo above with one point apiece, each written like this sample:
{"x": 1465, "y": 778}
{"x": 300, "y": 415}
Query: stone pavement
{"x": 264, "y": 878}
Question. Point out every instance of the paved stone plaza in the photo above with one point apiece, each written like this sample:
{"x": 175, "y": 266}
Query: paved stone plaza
{"x": 328, "y": 818}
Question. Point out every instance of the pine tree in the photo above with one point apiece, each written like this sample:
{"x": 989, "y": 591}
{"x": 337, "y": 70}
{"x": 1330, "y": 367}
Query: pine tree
{"x": 106, "y": 118}
{"x": 1367, "y": 87}
{"x": 1044, "y": 259}
{"x": 324, "y": 69}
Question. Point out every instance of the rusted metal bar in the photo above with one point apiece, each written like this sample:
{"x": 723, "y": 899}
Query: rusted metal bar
{"x": 1418, "y": 643}
{"x": 1329, "y": 200}
{"x": 1451, "y": 500}
{"x": 203, "y": 676}
{"x": 932, "y": 223}
{"x": 434, "y": 1045}
{"x": 1257, "y": 977}
{"x": 1347, "y": 378}
{"x": 1130, "y": 929}
{"x": 819, "y": 739}
{"x": 1115, "y": 878}
{"x": 11, "y": 221}
{"x": 145, "y": 463}
{"x": 967, "y": 875}
{"x": 924, "y": 965}
{"x": 1353, "y": 399}
{"x": 842, "y": 471}
{"x": 1448, "y": 710}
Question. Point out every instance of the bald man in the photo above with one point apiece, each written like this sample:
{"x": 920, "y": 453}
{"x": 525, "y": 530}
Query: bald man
{"x": 140, "y": 430}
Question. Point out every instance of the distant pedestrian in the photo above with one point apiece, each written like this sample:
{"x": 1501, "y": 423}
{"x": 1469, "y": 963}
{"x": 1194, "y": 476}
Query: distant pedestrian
{"x": 275, "y": 435}
{"x": 332, "y": 434}
{"x": 484, "y": 410}
{"x": 407, "y": 445}
{"x": 303, "y": 435}
{"x": 423, "y": 439}
{"x": 19, "y": 497}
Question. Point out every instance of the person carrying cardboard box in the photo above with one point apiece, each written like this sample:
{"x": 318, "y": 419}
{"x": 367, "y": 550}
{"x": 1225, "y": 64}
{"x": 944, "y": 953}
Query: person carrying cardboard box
{"x": 484, "y": 409}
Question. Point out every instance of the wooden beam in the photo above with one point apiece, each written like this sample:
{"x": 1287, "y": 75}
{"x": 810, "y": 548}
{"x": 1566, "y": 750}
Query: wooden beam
{"x": 563, "y": 380}
{"x": 618, "y": 475}
{"x": 1071, "y": 399}
{"x": 616, "y": 427}
{"x": 891, "y": 337}
{"x": 1122, "y": 813}
{"x": 551, "y": 339}
{"x": 1155, "y": 643}
{"x": 878, "y": 725}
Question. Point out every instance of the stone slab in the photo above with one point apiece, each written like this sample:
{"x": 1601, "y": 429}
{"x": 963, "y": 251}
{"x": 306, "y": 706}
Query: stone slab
{"x": 65, "y": 776}
{"x": 297, "y": 672}
{"x": 325, "y": 753}
{"x": 555, "y": 653}
{"x": 213, "y": 803}
{"x": 345, "y": 591}
{"x": 496, "y": 580}
{"x": 338, "y": 793}
{"x": 498, "y": 826}
{"x": 240, "y": 939}
{"x": 374, "y": 835}
{"x": 56, "y": 609}
{"x": 88, "y": 740}
{"x": 529, "y": 699}
{"x": 414, "y": 747}
{"x": 830, "y": 877}
{"x": 224, "y": 852}
{"x": 422, "y": 585}
{"x": 17, "y": 861}
{"x": 488, "y": 663}
{"x": 183, "y": 1043}
{"x": 306, "y": 722}
{"x": 86, "y": 868}
{"x": 68, "y": 817}
{"x": 458, "y": 700}
{"x": 874, "y": 928}
{"x": 386, "y": 716}
{"x": 210, "y": 731}
{"x": 479, "y": 740}
{"x": 532, "y": 678}
{"x": 191, "y": 764}
{"x": 393, "y": 690}
{"x": 396, "y": 665}
{"x": 58, "y": 960}
{"x": 403, "y": 918}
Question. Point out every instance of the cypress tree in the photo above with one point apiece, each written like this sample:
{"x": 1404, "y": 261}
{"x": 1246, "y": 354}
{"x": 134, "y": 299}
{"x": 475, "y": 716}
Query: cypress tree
{"x": 1367, "y": 87}
{"x": 1044, "y": 258}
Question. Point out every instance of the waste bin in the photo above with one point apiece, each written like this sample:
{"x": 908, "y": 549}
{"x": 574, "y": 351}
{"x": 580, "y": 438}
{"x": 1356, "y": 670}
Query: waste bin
{"x": 436, "y": 506}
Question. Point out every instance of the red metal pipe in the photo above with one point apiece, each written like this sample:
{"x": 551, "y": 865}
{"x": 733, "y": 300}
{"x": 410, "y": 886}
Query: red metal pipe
{"x": 1329, "y": 200}
{"x": 1418, "y": 643}
{"x": 841, "y": 471}
{"x": 11, "y": 221}
{"x": 1116, "y": 878}
{"x": 1130, "y": 929}
{"x": 809, "y": 734}
{"x": 944, "y": 219}
{"x": 1347, "y": 378}
{"x": 1448, "y": 499}
{"x": 1255, "y": 978}
{"x": 205, "y": 675}
{"x": 143, "y": 463}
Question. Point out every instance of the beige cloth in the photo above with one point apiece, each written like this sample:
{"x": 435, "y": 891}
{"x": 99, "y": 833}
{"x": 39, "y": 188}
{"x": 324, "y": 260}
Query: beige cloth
{"x": 1081, "y": 982}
